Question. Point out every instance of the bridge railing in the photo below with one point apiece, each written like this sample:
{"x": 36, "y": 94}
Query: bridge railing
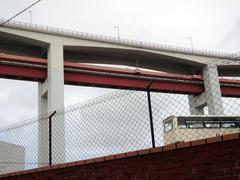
{"x": 116, "y": 40}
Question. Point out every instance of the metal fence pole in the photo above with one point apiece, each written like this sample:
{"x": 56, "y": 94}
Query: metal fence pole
{"x": 50, "y": 137}
{"x": 150, "y": 114}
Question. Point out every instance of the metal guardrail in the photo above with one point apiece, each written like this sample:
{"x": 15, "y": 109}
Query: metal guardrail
{"x": 116, "y": 40}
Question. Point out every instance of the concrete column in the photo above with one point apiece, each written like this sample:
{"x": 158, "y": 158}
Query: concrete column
{"x": 42, "y": 126}
{"x": 212, "y": 90}
{"x": 211, "y": 97}
{"x": 54, "y": 100}
{"x": 196, "y": 104}
{"x": 55, "y": 77}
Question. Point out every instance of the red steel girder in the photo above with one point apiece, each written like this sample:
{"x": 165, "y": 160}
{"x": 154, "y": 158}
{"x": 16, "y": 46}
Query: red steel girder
{"x": 14, "y": 67}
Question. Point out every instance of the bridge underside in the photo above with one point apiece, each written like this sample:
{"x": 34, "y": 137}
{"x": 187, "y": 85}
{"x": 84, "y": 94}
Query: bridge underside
{"x": 82, "y": 54}
{"x": 132, "y": 58}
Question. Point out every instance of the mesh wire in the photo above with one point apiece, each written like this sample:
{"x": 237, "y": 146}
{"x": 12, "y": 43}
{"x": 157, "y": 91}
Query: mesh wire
{"x": 19, "y": 145}
{"x": 120, "y": 122}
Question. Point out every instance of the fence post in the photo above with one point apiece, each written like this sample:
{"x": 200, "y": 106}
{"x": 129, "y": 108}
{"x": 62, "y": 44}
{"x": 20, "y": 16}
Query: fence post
{"x": 150, "y": 114}
{"x": 50, "y": 137}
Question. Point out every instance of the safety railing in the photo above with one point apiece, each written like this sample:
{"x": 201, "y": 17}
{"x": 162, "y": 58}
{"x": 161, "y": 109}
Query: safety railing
{"x": 116, "y": 40}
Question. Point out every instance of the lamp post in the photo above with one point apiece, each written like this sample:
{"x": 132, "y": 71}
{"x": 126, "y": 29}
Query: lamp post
{"x": 30, "y": 14}
{"x": 117, "y": 27}
{"x": 191, "y": 41}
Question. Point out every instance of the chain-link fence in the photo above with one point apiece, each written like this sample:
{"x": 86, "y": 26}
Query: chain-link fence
{"x": 123, "y": 121}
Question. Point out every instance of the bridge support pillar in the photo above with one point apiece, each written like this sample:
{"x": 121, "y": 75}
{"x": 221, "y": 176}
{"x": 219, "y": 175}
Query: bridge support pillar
{"x": 211, "y": 98}
{"x": 51, "y": 98}
{"x": 196, "y": 104}
{"x": 212, "y": 90}
{"x": 42, "y": 125}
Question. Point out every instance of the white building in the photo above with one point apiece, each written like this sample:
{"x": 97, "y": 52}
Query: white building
{"x": 12, "y": 157}
{"x": 194, "y": 127}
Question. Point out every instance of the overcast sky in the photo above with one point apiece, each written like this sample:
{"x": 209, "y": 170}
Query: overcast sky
{"x": 212, "y": 24}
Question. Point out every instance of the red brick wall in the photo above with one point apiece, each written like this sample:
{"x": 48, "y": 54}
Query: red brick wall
{"x": 213, "y": 158}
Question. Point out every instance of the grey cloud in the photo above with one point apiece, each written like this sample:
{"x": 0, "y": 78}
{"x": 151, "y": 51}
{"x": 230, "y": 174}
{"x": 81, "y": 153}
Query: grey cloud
{"x": 231, "y": 40}
{"x": 18, "y": 101}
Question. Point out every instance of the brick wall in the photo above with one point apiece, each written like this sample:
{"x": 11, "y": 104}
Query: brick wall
{"x": 213, "y": 158}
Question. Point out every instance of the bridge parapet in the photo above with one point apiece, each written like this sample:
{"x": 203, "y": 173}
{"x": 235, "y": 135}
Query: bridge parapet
{"x": 115, "y": 40}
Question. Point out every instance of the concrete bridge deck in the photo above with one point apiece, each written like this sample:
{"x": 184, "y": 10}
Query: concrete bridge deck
{"x": 34, "y": 40}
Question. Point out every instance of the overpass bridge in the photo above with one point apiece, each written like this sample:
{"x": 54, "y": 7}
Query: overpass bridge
{"x": 52, "y": 57}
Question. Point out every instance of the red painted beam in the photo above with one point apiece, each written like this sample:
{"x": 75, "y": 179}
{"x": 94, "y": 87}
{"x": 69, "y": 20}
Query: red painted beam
{"x": 36, "y": 74}
{"x": 127, "y": 83}
{"x": 16, "y": 71}
{"x": 22, "y": 59}
{"x": 22, "y": 73}
{"x": 137, "y": 72}
{"x": 73, "y": 65}
{"x": 67, "y": 64}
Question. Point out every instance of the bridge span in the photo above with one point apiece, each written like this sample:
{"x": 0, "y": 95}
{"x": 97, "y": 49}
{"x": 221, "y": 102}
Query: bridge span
{"x": 50, "y": 56}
